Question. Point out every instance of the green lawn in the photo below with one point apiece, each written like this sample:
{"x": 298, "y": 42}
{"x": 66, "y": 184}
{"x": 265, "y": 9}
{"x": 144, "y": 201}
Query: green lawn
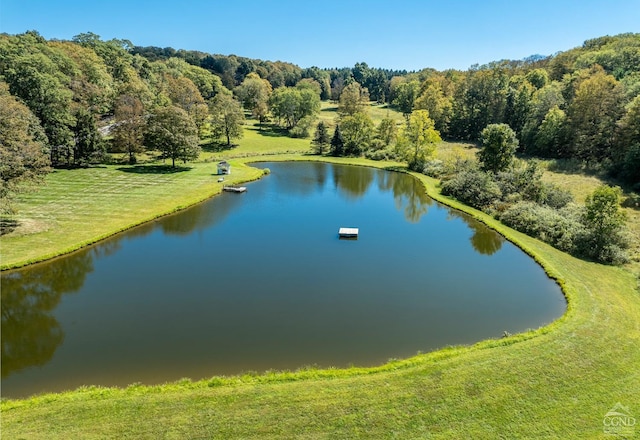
{"x": 554, "y": 382}
{"x": 78, "y": 207}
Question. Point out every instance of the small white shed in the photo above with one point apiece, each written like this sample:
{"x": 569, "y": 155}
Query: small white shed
{"x": 224, "y": 167}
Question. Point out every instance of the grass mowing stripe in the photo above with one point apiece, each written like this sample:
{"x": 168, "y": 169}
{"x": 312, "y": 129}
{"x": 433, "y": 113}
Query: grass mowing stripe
{"x": 124, "y": 199}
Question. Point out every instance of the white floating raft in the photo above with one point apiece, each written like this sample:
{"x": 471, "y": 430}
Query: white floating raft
{"x": 348, "y": 232}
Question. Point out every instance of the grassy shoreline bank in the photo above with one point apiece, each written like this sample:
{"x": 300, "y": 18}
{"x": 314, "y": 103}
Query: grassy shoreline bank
{"x": 557, "y": 381}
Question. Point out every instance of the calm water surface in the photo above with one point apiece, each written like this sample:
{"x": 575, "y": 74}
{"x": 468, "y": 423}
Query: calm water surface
{"x": 260, "y": 280}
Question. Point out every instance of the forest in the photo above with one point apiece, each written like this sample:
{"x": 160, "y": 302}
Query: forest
{"x": 88, "y": 101}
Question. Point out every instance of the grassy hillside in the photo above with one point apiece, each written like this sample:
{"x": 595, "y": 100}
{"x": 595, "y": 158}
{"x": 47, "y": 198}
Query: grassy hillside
{"x": 554, "y": 382}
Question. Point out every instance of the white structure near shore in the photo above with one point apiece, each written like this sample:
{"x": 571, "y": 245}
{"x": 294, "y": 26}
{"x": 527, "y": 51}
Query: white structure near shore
{"x": 224, "y": 167}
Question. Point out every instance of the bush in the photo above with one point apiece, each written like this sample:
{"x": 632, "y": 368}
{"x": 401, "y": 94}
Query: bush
{"x": 434, "y": 168}
{"x": 523, "y": 181}
{"x": 303, "y": 128}
{"x": 554, "y": 196}
{"x": 473, "y": 187}
{"x": 384, "y": 154}
{"x": 560, "y": 228}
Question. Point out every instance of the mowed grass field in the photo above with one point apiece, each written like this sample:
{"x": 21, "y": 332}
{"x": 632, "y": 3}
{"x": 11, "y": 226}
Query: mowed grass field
{"x": 79, "y": 207}
{"x": 554, "y": 382}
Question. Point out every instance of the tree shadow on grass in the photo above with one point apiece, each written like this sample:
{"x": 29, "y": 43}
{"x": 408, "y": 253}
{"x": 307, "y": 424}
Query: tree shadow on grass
{"x": 216, "y": 147}
{"x": 271, "y": 131}
{"x": 154, "y": 169}
{"x": 8, "y": 225}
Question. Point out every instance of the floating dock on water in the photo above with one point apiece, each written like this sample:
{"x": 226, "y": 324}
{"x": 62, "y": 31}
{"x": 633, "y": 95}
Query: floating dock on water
{"x": 348, "y": 232}
{"x": 236, "y": 189}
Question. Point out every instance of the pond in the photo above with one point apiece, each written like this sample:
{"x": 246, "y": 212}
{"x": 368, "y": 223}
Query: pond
{"x": 261, "y": 280}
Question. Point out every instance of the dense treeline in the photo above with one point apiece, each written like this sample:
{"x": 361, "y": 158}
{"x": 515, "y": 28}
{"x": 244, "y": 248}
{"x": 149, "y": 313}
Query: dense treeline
{"x": 59, "y": 99}
{"x": 234, "y": 69}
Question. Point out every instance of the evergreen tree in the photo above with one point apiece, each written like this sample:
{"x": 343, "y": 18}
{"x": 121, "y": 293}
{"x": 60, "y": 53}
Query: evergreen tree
{"x": 321, "y": 138}
{"x": 337, "y": 143}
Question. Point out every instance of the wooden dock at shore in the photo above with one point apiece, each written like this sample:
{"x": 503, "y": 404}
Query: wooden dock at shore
{"x": 236, "y": 189}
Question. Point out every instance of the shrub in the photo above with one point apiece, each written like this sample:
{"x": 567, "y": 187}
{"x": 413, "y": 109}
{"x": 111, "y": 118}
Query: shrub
{"x": 383, "y": 154}
{"x": 554, "y": 196}
{"x": 560, "y": 228}
{"x": 523, "y": 181}
{"x": 303, "y": 128}
{"x": 474, "y": 188}
{"x": 434, "y": 168}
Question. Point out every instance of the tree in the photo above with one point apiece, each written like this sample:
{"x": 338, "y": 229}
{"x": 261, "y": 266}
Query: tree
{"x": 499, "y": 145}
{"x": 128, "y": 132}
{"x": 88, "y": 147}
{"x": 605, "y": 225}
{"x": 518, "y": 104}
{"x": 321, "y": 138}
{"x": 322, "y": 77}
{"x": 310, "y": 84}
{"x": 480, "y": 100}
{"x": 337, "y": 142}
{"x": 593, "y": 114}
{"x": 543, "y": 100}
{"x": 627, "y": 155}
{"x": 290, "y": 105}
{"x": 357, "y": 132}
{"x": 34, "y": 78}
{"x": 405, "y": 96}
{"x": 551, "y": 136}
{"x": 184, "y": 94}
{"x": 173, "y": 132}
{"x": 418, "y": 139}
{"x": 353, "y": 99}
{"x": 437, "y": 104}
{"x": 24, "y": 158}
{"x": 254, "y": 93}
{"x": 387, "y": 131}
{"x": 227, "y": 117}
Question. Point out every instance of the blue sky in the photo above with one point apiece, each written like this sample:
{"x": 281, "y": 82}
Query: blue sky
{"x": 398, "y": 34}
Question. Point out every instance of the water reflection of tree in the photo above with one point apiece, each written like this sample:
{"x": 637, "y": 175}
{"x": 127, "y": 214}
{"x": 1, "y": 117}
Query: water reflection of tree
{"x": 353, "y": 181}
{"x": 200, "y": 216}
{"x": 484, "y": 240}
{"x": 407, "y": 192}
{"x": 30, "y": 334}
{"x": 320, "y": 173}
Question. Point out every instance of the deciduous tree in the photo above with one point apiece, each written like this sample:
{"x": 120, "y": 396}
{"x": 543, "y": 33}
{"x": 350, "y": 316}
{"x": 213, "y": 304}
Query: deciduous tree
{"x": 24, "y": 157}
{"x": 128, "y": 131}
{"x": 499, "y": 145}
{"x": 605, "y": 224}
{"x": 227, "y": 117}
{"x": 387, "y": 131}
{"x": 88, "y": 145}
{"x": 405, "y": 94}
{"x": 353, "y": 99}
{"x": 418, "y": 139}
{"x": 290, "y": 105}
{"x": 172, "y": 131}
{"x": 357, "y": 132}
{"x": 593, "y": 114}
{"x": 254, "y": 93}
